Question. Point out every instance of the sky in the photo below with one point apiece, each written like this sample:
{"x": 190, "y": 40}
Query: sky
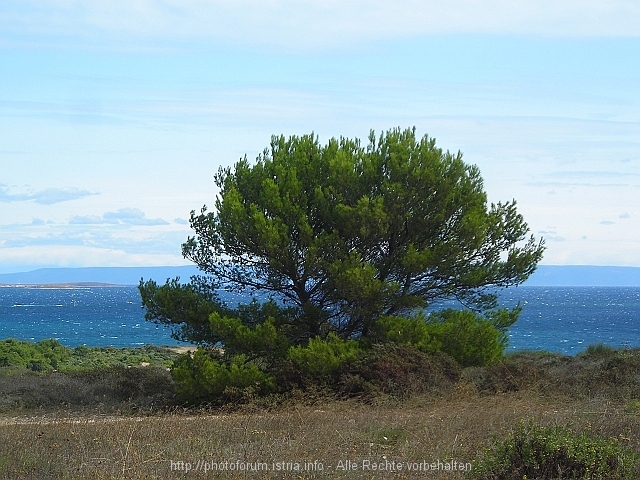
{"x": 115, "y": 116}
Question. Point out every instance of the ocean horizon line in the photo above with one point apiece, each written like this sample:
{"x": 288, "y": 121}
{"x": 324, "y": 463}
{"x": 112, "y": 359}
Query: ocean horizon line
{"x": 545, "y": 275}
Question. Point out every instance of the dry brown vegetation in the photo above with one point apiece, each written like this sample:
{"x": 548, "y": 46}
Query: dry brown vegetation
{"x": 597, "y": 392}
{"x": 84, "y": 446}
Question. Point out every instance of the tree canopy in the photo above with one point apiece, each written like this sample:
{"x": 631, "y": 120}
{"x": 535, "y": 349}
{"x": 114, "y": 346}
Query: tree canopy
{"x": 345, "y": 235}
{"x": 345, "y": 245}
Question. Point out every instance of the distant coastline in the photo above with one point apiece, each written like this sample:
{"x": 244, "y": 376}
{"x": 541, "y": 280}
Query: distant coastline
{"x": 544, "y": 276}
{"x": 115, "y": 276}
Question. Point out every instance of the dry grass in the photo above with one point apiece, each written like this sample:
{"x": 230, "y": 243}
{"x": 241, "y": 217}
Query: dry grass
{"x": 457, "y": 427}
{"x": 101, "y": 390}
{"x": 87, "y": 438}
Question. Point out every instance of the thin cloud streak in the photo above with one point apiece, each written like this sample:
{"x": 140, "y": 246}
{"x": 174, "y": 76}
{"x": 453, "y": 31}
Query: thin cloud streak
{"x": 123, "y": 216}
{"x": 48, "y": 196}
{"x": 303, "y": 24}
{"x": 163, "y": 243}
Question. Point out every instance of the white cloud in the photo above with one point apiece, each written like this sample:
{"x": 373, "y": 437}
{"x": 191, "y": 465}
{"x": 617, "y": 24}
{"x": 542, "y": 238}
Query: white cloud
{"x": 129, "y": 241}
{"x": 20, "y": 259}
{"x": 48, "y": 196}
{"x": 311, "y": 23}
{"x": 123, "y": 216}
{"x": 536, "y": 115}
{"x": 132, "y": 216}
{"x": 86, "y": 220}
{"x": 43, "y": 240}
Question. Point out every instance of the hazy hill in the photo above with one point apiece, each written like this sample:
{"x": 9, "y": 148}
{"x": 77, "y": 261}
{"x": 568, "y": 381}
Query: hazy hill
{"x": 546, "y": 275}
{"x": 585, "y": 276}
{"x": 113, "y": 275}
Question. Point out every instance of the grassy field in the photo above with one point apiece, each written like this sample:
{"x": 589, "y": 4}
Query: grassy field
{"x": 112, "y": 435}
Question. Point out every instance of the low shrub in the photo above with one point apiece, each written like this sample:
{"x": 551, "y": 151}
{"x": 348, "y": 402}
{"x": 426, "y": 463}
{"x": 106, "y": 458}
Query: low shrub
{"x": 511, "y": 374}
{"x": 472, "y": 340}
{"x": 45, "y": 355}
{"x": 534, "y": 452}
{"x": 614, "y": 375}
{"x": 203, "y": 379}
{"x": 48, "y": 355}
{"x": 105, "y": 389}
{"x": 398, "y": 370}
{"x": 332, "y": 366}
{"x": 124, "y": 384}
{"x": 599, "y": 350}
{"x": 256, "y": 330}
{"x": 320, "y": 361}
{"x": 87, "y": 358}
{"x": 414, "y": 330}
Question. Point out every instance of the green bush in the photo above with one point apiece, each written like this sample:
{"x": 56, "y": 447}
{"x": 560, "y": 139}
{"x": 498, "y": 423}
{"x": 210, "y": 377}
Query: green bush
{"x": 472, "y": 340}
{"x": 532, "y": 452}
{"x": 412, "y": 330}
{"x": 202, "y": 378}
{"x": 260, "y": 340}
{"x": 599, "y": 350}
{"x": 320, "y": 360}
{"x": 87, "y": 358}
{"x": 45, "y": 355}
{"x": 53, "y": 351}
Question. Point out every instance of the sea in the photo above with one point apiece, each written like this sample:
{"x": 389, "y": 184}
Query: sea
{"x": 556, "y": 319}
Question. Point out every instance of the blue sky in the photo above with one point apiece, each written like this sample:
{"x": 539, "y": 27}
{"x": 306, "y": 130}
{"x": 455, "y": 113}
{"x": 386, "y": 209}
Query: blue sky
{"x": 114, "y": 116}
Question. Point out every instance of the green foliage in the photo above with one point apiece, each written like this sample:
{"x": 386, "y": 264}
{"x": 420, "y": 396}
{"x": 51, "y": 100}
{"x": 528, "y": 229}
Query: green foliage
{"x": 503, "y": 318}
{"x": 599, "y": 350}
{"x": 355, "y": 241}
{"x": 257, "y": 330}
{"x": 53, "y": 351}
{"x": 350, "y": 234}
{"x": 533, "y": 452}
{"x": 472, "y": 340}
{"x": 45, "y": 355}
{"x": 201, "y": 378}
{"x": 88, "y": 358}
{"x": 263, "y": 340}
{"x": 322, "y": 359}
{"x": 413, "y": 330}
{"x": 185, "y": 307}
{"x": 48, "y": 355}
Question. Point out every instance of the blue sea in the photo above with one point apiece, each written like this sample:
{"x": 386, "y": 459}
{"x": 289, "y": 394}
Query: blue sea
{"x": 568, "y": 319}
{"x": 557, "y": 319}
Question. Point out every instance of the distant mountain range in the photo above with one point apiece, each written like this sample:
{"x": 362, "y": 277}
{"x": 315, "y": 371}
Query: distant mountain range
{"x": 545, "y": 275}
{"x": 584, "y": 276}
{"x": 111, "y": 275}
